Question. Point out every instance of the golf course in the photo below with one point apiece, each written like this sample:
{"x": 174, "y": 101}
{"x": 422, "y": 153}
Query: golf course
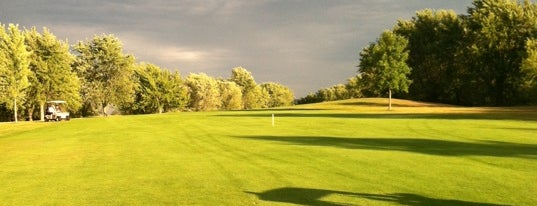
{"x": 351, "y": 152}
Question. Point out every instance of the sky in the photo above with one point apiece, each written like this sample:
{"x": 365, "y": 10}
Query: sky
{"x": 303, "y": 44}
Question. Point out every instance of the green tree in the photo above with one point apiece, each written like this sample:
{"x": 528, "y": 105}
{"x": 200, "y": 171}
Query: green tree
{"x": 204, "y": 92}
{"x": 353, "y": 87}
{"x": 250, "y": 91}
{"x": 383, "y": 65}
{"x": 178, "y": 97}
{"x": 256, "y": 98}
{"x": 500, "y": 31}
{"x": 106, "y": 73}
{"x": 52, "y": 76}
{"x": 279, "y": 95}
{"x": 14, "y": 69}
{"x": 231, "y": 95}
{"x": 436, "y": 43}
{"x": 158, "y": 90}
{"x": 529, "y": 70}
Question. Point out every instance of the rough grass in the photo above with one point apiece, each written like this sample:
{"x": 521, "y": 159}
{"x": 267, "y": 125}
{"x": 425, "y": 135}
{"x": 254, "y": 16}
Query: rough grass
{"x": 341, "y": 153}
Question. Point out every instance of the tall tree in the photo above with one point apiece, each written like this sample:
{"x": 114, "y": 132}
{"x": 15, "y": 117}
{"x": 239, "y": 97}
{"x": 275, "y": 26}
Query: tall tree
{"x": 250, "y": 92}
{"x": 279, "y": 95}
{"x": 14, "y": 69}
{"x": 500, "y": 30}
{"x": 529, "y": 70}
{"x": 383, "y": 65}
{"x": 178, "y": 97}
{"x": 106, "y": 73}
{"x": 436, "y": 45}
{"x": 52, "y": 76}
{"x": 353, "y": 87}
{"x": 231, "y": 95}
{"x": 204, "y": 92}
{"x": 158, "y": 90}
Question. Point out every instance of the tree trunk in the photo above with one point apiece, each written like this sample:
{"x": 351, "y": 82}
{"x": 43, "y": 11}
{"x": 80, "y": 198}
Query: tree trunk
{"x": 15, "y": 109}
{"x": 103, "y": 112}
{"x": 160, "y": 107}
{"x": 42, "y": 111}
{"x": 389, "y": 99}
{"x": 30, "y": 114}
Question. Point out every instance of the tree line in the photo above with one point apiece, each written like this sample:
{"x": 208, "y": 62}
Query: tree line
{"x": 487, "y": 57}
{"x": 95, "y": 77}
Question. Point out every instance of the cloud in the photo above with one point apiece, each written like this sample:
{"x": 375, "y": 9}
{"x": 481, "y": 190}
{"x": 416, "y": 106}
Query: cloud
{"x": 305, "y": 44}
{"x": 173, "y": 55}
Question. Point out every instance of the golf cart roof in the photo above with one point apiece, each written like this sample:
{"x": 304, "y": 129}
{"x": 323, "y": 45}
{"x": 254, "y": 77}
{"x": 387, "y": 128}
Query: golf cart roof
{"x": 57, "y": 102}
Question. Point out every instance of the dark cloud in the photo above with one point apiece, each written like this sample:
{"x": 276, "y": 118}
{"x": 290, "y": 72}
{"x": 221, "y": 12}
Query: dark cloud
{"x": 306, "y": 45}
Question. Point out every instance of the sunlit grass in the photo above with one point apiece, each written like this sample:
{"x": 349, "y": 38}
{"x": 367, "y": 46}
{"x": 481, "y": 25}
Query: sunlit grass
{"x": 336, "y": 153}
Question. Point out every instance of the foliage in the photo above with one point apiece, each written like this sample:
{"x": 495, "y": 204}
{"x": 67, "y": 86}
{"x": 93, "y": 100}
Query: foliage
{"x": 279, "y": 95}
{"x": 106, "y": 73}
{"x": 99, "y": 79}
{"x": 158, "y": 90}
{"x": 480, "y": 58}
{"x": 251, "y": 94}
{"x": 204, "y": 92}
{"x": 14, "y": 71}
{"x": 352, "y": 89}
{"x": 383, "y": 65}
{"x": 529, "y": 71}
{"x": 52, "y": 77}
{"x": 435, "y": 44}
{"x": 230, "y": 94}
{"x": 485, "y": 57}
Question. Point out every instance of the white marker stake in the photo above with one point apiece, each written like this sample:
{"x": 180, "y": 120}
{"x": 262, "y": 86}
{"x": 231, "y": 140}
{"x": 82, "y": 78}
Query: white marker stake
{"x": 273, "y": 120}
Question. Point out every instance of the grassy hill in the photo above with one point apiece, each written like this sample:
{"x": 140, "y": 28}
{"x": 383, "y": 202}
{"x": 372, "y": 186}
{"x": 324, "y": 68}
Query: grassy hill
{"x": 350, "y": 152}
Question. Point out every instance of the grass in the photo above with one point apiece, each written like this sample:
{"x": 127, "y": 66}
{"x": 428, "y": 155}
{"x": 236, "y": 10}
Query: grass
{"x": 342, "y": 153}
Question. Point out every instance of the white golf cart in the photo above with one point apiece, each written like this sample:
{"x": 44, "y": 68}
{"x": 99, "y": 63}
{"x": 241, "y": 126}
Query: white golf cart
{"x": 56, "y": 111}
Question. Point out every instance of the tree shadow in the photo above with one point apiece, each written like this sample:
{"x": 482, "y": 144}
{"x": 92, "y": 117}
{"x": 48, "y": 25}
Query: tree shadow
{"x": 385, "y": 104}
{"x": 307, "y": 196}
{"x": 448, "y": 116}
{"x": 423, "y": 146}
{"x": 300, "y": 196}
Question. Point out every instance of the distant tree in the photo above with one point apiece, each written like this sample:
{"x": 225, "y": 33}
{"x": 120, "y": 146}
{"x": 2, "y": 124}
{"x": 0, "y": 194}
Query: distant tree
{"x": 148, "y": 90}
{"x": 256, "y": 98}
{"x": 500, "y": 31}
{"x": 52, "y": 76}
{"x": 14, "y": 69}
{"x": 178, "y": 98}
{"x": 231, "y": 95}
{"x": 436, "y": 43}
{"x": 529, "y": 70}
{"x": 353, "y": 87}
{"x": 106, "y": 73}
{"x": 383, "y": 65}
{"x": 310, "y": 98}
{"x": 251, "y": 94}
{"x": 5, "y": 113}
{"x": 204, "y": 92}
{"x": 279, "y": 95}
{"x": 341, "y": 92}
{"x": 158, "y": 90}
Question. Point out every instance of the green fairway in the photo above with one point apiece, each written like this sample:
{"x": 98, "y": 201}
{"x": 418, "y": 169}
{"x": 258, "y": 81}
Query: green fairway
{"x": 344, "y": 153}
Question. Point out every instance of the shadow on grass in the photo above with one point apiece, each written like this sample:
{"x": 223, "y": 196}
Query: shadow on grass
{"x": 385, "y": 104}
{"x": 306, "y": 196}
{"x": 461, "y": 116}
{"x": 423, "y": 146}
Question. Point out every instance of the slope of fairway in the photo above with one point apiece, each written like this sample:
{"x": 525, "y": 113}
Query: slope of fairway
{"x": 350, "y": 152}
